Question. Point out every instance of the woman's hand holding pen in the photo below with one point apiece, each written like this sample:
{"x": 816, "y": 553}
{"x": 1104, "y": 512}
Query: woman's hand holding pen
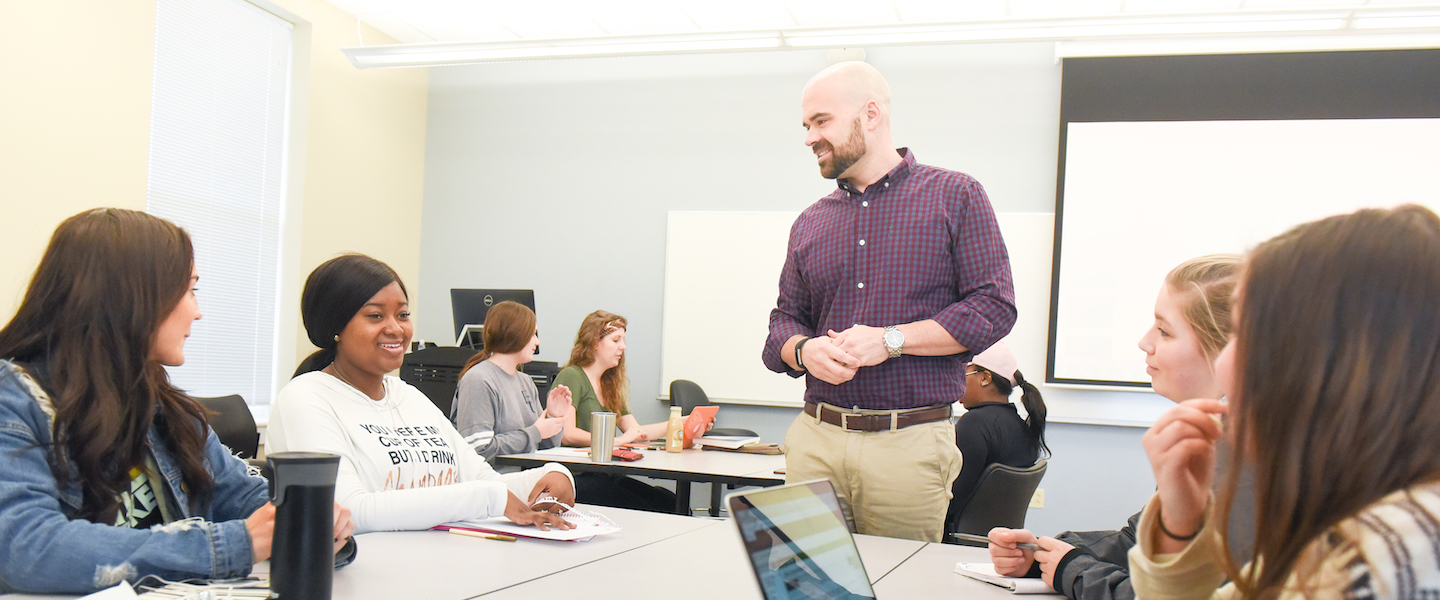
{"x": 521, "y": 513}
{"x": 1007, "y": 551}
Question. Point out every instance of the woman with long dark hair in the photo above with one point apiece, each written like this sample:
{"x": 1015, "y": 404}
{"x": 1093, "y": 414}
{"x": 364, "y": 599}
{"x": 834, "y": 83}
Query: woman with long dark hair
{"x": 991, "y": 430}
{"x": 403, "y": 465}
{"x": 1333, "y": 383}
{"x": 497, "y": 407}
{"x": 110, "y": 472}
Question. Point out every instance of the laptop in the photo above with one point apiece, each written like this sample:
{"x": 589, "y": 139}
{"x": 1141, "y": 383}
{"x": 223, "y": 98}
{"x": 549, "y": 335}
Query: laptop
{"x": 798, "y": 543}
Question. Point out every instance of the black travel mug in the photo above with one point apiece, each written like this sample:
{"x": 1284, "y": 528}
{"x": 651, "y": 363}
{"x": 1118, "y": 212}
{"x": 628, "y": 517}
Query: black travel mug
{"x": 302, "y": 555}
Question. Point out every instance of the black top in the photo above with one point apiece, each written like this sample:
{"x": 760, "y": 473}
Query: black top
{"x": 990, "y": 433}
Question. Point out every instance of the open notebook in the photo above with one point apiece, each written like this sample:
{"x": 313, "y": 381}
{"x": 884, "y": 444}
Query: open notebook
{"x": 798, "y": 543}
{"x": 1017, "y": 585}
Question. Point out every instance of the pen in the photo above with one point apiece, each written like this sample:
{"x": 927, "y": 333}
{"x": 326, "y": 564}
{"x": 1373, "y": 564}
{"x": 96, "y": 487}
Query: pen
{"x": 481, "y": 534}
{"x": 980, "y": 539}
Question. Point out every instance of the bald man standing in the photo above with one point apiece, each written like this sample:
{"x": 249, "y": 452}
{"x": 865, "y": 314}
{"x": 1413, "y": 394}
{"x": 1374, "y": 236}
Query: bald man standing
{"x": 891, "y": 283}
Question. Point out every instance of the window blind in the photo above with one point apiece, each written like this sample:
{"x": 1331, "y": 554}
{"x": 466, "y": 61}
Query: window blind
{"x": 217, "y": 154}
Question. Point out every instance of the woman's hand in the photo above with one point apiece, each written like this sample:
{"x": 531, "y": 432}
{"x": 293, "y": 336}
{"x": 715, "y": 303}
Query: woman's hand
{"x": 1009, "y": 559}
{"x": 1049, "y": 555}
{"x": 634, "y": 436}
{"x": 1181, "y": 447}
{"x": 559, "y": 402}
{"x": 521, "y": 514}
{"x": 261, "y": 525}
{"x": 555, "y": 485}
{"x": 549, "y": 426}
{"x": 344, "y": 527}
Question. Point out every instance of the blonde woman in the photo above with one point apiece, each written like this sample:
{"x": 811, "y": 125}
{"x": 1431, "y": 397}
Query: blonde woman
{"x": 1191, "y": 326}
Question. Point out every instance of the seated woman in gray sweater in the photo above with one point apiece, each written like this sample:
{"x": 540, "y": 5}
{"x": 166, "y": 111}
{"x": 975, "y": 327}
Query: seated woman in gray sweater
{"x": 497, "y": 407}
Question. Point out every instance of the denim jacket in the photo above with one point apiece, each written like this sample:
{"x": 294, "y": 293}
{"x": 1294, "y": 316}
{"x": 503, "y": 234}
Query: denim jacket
{"x": 47, "y": 549}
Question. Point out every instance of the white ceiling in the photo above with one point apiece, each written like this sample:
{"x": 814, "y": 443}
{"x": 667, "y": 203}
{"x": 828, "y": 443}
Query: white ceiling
{"x": 416, "y": 21}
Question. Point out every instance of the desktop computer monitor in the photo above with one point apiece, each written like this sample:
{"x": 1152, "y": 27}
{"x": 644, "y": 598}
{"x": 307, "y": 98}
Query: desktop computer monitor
{"x": 470, "y": 307}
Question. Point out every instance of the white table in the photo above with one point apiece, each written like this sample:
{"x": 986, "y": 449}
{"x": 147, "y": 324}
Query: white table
{"x": 445, "y": 565}
{"x": 692, "y": 558}
{"x": 703, "y": 564}
{"x": 930, "y": 573}
{"x": 685, "y": 467}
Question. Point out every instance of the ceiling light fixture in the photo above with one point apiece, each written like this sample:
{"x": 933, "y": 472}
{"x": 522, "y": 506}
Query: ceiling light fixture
{"x": 1328, "y": 22}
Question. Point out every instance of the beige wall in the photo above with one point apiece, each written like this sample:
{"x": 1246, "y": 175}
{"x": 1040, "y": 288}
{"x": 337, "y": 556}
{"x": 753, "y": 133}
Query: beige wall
{"x": 74, "y": 120}
{"x": 75, "y": 80}
{"x": 364, "y": 160}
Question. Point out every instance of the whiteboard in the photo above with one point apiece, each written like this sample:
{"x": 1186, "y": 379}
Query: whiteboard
{"x": 1142, "y": 197}
{"x": 722, "y": 274}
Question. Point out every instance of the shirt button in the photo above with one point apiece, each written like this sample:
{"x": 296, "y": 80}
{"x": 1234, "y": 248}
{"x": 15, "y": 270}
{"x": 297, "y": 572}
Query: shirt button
{"x": 860, "y": 285}
{"x": 887, "y": 184}
{"x": 862, "y": 242}
{"x": 865, "y": 204}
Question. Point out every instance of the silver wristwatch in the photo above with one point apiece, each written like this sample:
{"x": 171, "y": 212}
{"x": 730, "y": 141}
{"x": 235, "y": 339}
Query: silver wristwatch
{"x": 894, "y": 340}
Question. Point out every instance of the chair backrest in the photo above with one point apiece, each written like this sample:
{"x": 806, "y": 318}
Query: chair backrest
{"x": 234, "y": 424}
{"x": 687, "y": 395}
{"x": 1001, "y": 499}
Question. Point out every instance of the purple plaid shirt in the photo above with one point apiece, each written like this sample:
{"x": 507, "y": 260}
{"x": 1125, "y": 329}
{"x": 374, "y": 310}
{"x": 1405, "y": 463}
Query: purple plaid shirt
{"x": 921, "y": 243}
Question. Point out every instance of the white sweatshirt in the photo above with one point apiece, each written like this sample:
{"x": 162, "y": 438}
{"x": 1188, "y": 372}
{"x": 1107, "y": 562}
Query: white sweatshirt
{"x": 403, "y": 466}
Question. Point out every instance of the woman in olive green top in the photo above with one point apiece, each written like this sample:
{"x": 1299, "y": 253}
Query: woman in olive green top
{"x": 597, "y": 382}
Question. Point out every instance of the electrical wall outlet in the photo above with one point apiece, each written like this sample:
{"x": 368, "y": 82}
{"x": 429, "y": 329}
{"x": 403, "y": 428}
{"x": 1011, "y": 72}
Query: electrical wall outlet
{"x": 1038, "y": 500}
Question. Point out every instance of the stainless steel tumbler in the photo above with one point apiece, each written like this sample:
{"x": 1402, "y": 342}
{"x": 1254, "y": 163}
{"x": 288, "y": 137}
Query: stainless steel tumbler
{"x": 602, "y": 436}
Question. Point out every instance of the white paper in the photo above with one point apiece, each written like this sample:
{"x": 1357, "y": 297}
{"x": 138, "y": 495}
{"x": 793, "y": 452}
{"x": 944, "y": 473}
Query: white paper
{"x": 1017, "y": 585}
{"x": 587, "y": 525}
{"x": 120, "y": 591}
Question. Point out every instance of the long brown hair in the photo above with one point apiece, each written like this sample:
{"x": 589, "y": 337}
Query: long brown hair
{"x": 509, "y": 326}
{"x": 614, "y": 384}
{"x": 1337, "y": 368}
{"x": 87, "y": 323}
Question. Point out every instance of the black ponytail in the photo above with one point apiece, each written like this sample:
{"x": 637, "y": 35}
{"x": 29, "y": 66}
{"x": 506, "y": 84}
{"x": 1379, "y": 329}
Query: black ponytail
{"x": 1034, "y": 413}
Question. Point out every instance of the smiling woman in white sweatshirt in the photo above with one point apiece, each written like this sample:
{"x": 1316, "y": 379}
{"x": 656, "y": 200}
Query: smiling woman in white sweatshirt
{"x": 403, "y": 465}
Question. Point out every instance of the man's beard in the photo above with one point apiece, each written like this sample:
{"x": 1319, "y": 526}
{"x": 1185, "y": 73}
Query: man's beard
{"x": 844, "y": 156}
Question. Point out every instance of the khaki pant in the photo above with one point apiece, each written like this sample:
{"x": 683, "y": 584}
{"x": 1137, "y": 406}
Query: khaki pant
{"x": 897, "y": 483}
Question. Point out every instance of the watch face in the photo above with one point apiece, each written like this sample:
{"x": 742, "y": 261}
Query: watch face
{"x": 893, "y": 338}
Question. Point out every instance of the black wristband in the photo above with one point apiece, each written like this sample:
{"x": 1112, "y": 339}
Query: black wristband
{"x": 799, "y": 362}
{"x": 1160, "y": 522}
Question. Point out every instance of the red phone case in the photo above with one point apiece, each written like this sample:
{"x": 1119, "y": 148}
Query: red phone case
{"x": 628, "y": 455}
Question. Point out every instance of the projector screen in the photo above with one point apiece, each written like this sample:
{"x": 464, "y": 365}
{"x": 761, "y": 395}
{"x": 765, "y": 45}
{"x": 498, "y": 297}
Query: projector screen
{"x": 1142, "y": 197}
{"x": 1163, "y": 159}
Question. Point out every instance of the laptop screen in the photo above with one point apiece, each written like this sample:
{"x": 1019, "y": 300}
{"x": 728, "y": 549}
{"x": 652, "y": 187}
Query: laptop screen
{"x": 798, "y": 543}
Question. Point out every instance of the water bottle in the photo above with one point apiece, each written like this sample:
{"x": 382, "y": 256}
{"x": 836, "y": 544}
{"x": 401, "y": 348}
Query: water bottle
{"x": 602, "y": 436}
{"x": 675, "y": 431}
{"x": 302, "y": 555}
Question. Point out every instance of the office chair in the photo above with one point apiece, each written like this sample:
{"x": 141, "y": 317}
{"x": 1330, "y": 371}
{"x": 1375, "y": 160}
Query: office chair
{"x": 234, "y": 424}
{"x": 1001, "y": 499}
{"x": 687, "y": 395}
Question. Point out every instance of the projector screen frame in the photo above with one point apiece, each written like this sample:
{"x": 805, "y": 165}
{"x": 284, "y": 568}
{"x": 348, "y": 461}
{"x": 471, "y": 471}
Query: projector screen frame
{"x": 1383, "y": 84}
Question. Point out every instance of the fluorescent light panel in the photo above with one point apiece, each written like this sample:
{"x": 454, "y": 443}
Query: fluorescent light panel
{"x": 1100, "y": 28}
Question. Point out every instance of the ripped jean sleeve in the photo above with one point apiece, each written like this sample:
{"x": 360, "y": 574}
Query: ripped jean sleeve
{"x": 47, "y": 550}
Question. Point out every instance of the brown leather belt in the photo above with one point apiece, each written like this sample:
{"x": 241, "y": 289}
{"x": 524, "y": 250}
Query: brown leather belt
{"x": 877, "y": 420}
